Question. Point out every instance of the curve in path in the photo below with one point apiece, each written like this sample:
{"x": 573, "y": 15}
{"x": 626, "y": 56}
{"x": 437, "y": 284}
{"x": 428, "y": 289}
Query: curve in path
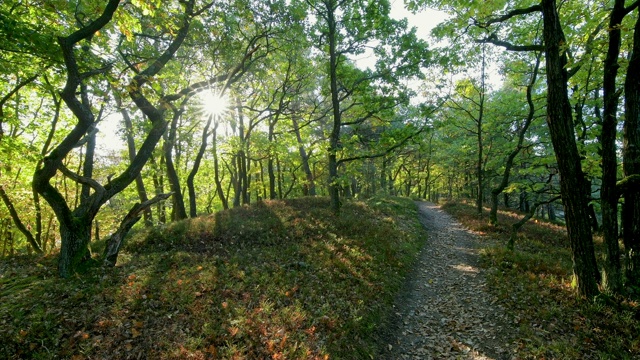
{"x": 445, "y": 312}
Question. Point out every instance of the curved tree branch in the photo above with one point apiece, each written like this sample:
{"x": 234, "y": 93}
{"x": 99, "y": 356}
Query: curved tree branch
{"x": 18, "y": 222}
{"x": 509, "y": 15}
{"x": 493, "y": 39}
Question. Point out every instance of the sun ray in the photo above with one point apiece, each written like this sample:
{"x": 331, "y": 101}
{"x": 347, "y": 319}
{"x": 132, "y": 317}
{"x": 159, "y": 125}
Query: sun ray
{"x": 213, "y": 103}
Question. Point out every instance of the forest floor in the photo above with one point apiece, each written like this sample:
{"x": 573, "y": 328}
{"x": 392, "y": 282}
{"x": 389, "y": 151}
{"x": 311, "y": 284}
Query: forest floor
{"x": 445, "y": 310}
{"x": 289, "y": 279}
{"x": 470, "y": 297}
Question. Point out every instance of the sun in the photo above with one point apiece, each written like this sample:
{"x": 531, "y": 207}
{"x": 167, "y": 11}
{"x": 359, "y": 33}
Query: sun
{"x": 213, "y": 103}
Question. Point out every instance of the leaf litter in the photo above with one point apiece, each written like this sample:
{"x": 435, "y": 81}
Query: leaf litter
{"x": 446, "y": 310}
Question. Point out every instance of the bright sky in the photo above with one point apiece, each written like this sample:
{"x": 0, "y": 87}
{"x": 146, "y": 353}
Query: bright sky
{"x": 424, "y": 21}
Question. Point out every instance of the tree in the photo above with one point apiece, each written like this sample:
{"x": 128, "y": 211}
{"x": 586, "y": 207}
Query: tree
{"x": 572, "y": 182}
{"x": 474, "y": 107}
{"x": 631, "y": 162}
{"x": 612, "y": 277}
{"x": 521, "y": 133}
{"x": 75, "y": 224}
{"x": 346, "y": 28}
{"x": 560, "y": 122}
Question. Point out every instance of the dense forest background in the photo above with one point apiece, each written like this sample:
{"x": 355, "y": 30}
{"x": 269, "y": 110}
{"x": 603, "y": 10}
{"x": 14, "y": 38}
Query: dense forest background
{"x": 219, "y": 104}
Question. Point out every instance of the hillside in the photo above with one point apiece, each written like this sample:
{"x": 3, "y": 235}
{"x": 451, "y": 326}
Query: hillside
{"x": 278, "y": 279}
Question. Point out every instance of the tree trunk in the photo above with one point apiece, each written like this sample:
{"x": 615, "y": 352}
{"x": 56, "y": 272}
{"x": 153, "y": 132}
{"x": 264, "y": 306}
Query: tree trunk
{"x": 179, "y": 210}
{"x": 216, "y": 168}
{"x": 504, "y": 182}
{"x": 334, "y": 137}
{"x": 479, "y": 133}
{"x": 87, "y": 166}
{"x": 131, "y": 148}
{"x": 612, "y": 273}
{"x": 18, "y": 222}
{"x": 572, "y": 182}
{"x": 552, "y": 212}
{"x": 158, "y": 184}
{"x": 193, "y": 211}
{"x": 631, "y": 163}
{"x": 75, "y": 236}
{"x": 309, "y": 186}
{"x": 270, "y": 163}
{"x": 515, "y": 227}
{"x": 114, "y": 243}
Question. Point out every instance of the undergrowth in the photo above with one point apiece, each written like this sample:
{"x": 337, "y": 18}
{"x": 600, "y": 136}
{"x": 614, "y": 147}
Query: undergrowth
{"x": 278, "y": 279}
{"x": 534, "y": 283}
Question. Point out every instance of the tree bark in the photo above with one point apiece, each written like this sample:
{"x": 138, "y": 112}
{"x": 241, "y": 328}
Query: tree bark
{"x": 75, "y": 237}
{"x": 334, "y": 137}
{"x": 114, "y": 243}
{"x": 572, "y": 181}
{"x": 310, "y": 186}
{"x": 131, "y": 148}
{"x": 179, "y": 210}
{"x": 612, "y": 273}
{"x": 194, "y": 171}
{"x": 216, "y": 168}
{"x": 631, "y": 163}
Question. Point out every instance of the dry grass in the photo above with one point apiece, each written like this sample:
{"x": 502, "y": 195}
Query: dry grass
{"x": 534, "y": 282}
{"x": 279, "y": 279}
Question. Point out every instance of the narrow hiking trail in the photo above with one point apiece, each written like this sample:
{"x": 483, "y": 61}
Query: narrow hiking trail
{"x": 445, "y": 311}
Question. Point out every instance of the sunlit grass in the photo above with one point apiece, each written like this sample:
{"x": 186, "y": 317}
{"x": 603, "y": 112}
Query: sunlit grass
{"x": 534, "y": 283}
{"x": 278, "y": 279}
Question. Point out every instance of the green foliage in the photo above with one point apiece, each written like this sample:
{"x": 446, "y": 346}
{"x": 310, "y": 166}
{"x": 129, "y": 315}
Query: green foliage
{"x": 276, "y": 279}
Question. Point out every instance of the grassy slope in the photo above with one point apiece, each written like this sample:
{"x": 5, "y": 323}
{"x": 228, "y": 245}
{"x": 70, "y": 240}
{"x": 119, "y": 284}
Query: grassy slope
{"x": 280, "y": 279}
{"x": 534, "y": 284}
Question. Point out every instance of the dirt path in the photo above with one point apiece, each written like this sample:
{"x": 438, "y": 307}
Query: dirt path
{"x": 445, "y": 311}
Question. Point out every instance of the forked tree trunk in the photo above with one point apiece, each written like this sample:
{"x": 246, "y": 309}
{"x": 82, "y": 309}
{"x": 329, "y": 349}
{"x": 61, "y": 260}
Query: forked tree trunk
{"x": 194, "y": 171}
{"x": 179, "y": 210}
{"x": 75, "y": 236}
{"x": 309, "y": 186}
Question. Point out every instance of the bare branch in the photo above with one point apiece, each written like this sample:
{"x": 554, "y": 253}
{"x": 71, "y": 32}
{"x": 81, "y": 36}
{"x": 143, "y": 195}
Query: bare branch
{"x": 18, "y": 222}
{"x": 493, "y": 39}
{"x": 509, "y": 15}
{"x": 384, "y": 153}
{"x": 631, "y": 7}
{"x": 81, "y": 179}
